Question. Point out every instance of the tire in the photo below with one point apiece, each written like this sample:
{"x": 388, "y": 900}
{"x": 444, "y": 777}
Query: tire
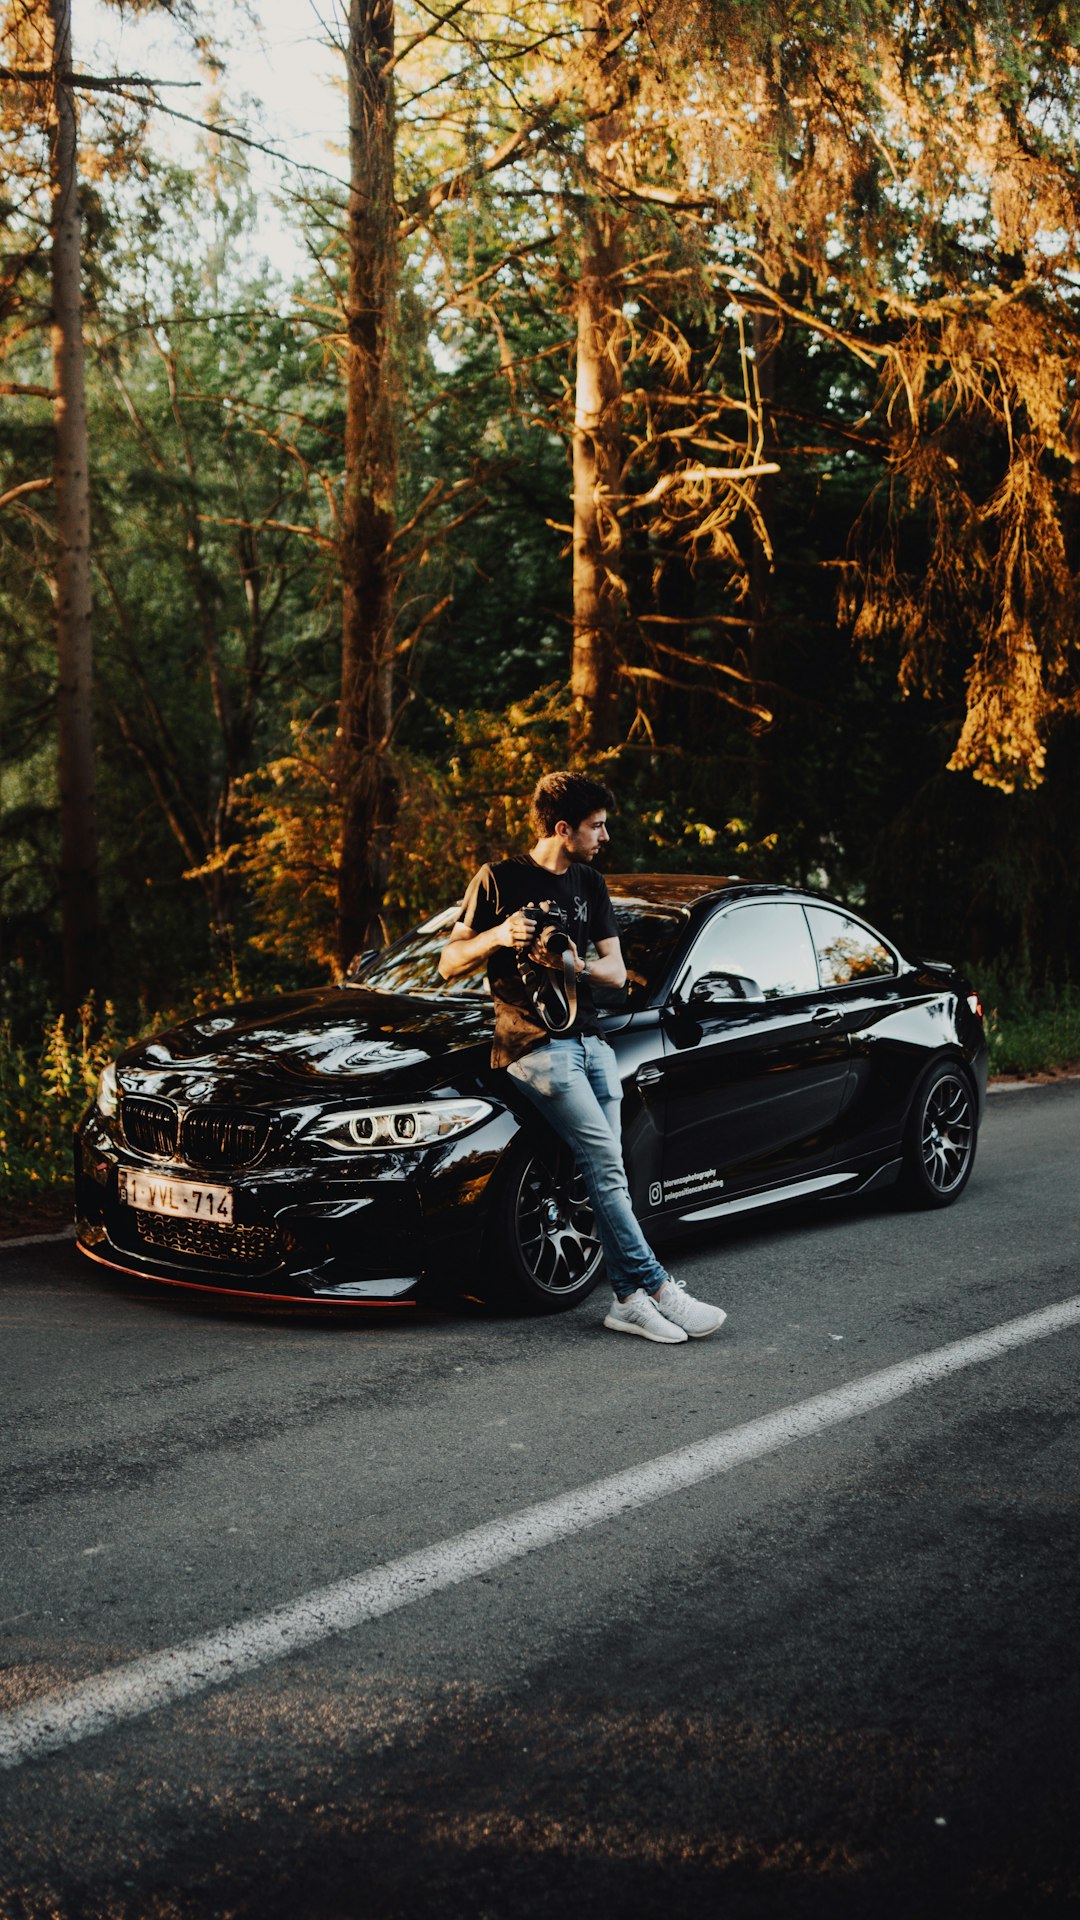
{"x": 940, "y": 1137}
{"x": 544, "y": 1256}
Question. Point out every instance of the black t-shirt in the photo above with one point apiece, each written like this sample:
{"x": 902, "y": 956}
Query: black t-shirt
{"x": 578, "y": 899}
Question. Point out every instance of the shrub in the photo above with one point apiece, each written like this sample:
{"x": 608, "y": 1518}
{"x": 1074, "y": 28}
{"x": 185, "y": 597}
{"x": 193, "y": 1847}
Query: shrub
{"x": 1031, "y": 1030}
{"x": 43, "y": 1090}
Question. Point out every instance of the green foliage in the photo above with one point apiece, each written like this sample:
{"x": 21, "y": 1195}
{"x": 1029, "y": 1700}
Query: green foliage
{"x": 1031, "y": 1030}
{"x": 466, "y": 806}
{"x": 209, "y": 411}
{"x": 288, "y": 813}
{"x": 44, "y": 1087}
{"x": 472, "y": 804}
{"x": 48, "y": 1076}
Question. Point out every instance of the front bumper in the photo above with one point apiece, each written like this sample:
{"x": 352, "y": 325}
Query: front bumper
{"x": 299, "y": 1231}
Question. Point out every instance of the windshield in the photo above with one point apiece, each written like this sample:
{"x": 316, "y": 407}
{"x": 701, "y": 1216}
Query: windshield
{"x": 648, "y": 935}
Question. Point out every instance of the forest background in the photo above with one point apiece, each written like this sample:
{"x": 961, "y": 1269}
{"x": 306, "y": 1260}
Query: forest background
{"x": 682, "y": 392}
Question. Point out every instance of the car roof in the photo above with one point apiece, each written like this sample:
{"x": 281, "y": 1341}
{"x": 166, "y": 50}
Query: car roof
{"x": 670, "y": 889}
{"x": 696, "y": 893}
{"x": 691, "y": 892}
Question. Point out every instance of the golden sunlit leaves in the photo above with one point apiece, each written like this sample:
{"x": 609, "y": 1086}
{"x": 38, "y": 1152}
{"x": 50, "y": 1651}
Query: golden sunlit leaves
{"x": 450, "y": 819}
{"x": 1002, "y": 743}
{"x": 976, "y": 383}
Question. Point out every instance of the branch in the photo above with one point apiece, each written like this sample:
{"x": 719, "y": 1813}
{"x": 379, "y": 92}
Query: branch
{"x": 712, "y": 666}
{"x": 18, "y": 390}
{"x": 142, "y": 430}
{"x": 25, "y": 486}
{"x": 98, "y": 83}
{"x": 229, "y": 133}
{"x": 653, "y": 196}
{"x": 403, "y": 646}
{"x": 717, "y": 693}
{"x": 198, "y": 319}
{"x": 436, "y": 496}
{"x": 741, "y": 283}
{"x": 153, "y": 773}
{"x": 690, "y": 620}
{"x": 443, "y": 533}
{"x": 417, "y": 39}
{"x": 426, "y": 202}
{"x": 669, "y": 480}
{"x": 460, "y": 293}
{"x": 278, "y": 526}
{"x": 421, "y": 204}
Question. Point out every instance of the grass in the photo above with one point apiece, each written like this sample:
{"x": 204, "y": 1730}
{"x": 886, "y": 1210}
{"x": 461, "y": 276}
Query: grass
{"x": 1031, "y": 1031}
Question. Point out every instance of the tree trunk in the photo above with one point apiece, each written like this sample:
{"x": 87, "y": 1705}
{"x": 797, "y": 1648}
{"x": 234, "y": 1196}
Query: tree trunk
{"x": 366, "y": 782}
{"x": 766, "y": 338}
{"x": 599, "y": 590}
{"x": 78, "y": 824}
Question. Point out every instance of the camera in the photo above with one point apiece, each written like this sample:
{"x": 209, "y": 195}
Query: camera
{"x": 550, "y": 938}
{"x": 548, "y": 969}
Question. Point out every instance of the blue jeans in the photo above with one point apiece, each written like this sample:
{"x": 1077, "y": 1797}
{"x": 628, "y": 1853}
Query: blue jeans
{"x": 574, "y": 1082}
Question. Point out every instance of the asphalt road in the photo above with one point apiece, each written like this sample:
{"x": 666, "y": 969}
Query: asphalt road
{"x": 839, "y": 1680}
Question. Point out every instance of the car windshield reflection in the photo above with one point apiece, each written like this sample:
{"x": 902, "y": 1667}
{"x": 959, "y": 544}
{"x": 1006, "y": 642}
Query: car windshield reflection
{"x": 411, "y": 966}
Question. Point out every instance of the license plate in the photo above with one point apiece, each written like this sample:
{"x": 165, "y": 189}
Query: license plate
{"x": 153, "y": 1195}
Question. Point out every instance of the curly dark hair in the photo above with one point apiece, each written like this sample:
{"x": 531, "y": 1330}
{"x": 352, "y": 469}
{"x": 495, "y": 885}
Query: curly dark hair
{"x": 567, "y": 796}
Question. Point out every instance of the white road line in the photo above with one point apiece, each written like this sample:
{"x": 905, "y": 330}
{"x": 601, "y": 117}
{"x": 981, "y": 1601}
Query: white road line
{"x": 103, "y": 1701}
{"x": 36, "y": 1240}
{"x": 1027, "y": 1086}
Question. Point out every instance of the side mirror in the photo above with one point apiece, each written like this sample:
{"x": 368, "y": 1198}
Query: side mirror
{"x": 717, "y": 989}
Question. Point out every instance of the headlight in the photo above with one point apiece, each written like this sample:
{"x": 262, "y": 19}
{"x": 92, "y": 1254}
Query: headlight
{"x": 382, "y": 1127}
{"x": 107, "y": 1097}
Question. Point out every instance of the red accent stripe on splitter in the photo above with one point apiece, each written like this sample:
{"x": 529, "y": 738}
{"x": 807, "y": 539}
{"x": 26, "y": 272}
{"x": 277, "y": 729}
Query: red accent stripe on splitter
{"x": 235, "y": 1293}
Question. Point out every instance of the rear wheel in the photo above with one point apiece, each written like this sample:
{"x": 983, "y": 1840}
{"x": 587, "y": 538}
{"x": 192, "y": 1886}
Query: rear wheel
{"x": 546, "y": 1255}
{"x": 939, "y": 1143}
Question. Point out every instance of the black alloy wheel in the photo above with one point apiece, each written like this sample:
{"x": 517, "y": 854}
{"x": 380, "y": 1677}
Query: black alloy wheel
{"x": 939, "y": 1145}
{"x": 550, "y": 1254}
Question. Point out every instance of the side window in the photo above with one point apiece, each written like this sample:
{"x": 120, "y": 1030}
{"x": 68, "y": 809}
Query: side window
{"x": 769, "y": 943}
{"x": 847, "y": 951}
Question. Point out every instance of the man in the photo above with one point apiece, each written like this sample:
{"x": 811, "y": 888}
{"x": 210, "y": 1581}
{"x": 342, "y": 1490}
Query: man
{"x": 556, "y": 1055}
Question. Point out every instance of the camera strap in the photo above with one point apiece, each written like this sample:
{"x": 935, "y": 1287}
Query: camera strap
{"x": 554, "y": 994}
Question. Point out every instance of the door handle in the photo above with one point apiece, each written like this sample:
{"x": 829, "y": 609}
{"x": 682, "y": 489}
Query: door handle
{"x": 827, "y": 1017}
{"x": 647, "y": 1076}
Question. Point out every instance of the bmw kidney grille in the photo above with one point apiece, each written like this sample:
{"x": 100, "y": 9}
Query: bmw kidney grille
{"x": 150, "y": 1126}
{"x": 216, "y": 1138}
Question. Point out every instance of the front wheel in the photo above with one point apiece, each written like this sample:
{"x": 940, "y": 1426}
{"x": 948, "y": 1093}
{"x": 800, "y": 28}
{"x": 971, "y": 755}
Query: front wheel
{"x": 545, "y": 1255}
{"x": 939, "y": 1142}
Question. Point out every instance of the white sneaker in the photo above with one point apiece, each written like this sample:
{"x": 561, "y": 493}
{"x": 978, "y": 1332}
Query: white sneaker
{"x": 684, "y": 1311}
{"x": 638, "y": 1315}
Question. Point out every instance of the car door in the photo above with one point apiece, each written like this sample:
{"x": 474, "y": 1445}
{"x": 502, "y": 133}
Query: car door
{"x": 753, "y": 1086}
{"x": 884, "y": 1015}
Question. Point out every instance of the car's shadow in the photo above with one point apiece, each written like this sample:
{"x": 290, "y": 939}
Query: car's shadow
{"x": 210, "y": 1306}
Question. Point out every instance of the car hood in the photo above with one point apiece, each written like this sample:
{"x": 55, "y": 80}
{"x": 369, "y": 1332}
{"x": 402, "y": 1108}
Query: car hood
{"x": 329, "y": 1040}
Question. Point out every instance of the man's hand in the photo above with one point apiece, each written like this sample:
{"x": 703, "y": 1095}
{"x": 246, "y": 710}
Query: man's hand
{"x": 517, "y": 931}
{"x": 465, "y": 949}
{"x": 552, "y": 957}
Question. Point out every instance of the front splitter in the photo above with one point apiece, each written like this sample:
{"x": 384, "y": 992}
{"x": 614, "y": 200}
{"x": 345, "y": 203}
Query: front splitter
{"x": 323, "y": 1299}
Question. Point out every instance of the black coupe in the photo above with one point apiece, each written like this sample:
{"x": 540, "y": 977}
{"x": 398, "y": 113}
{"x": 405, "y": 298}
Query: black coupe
{"x": 352, "y": 1144}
